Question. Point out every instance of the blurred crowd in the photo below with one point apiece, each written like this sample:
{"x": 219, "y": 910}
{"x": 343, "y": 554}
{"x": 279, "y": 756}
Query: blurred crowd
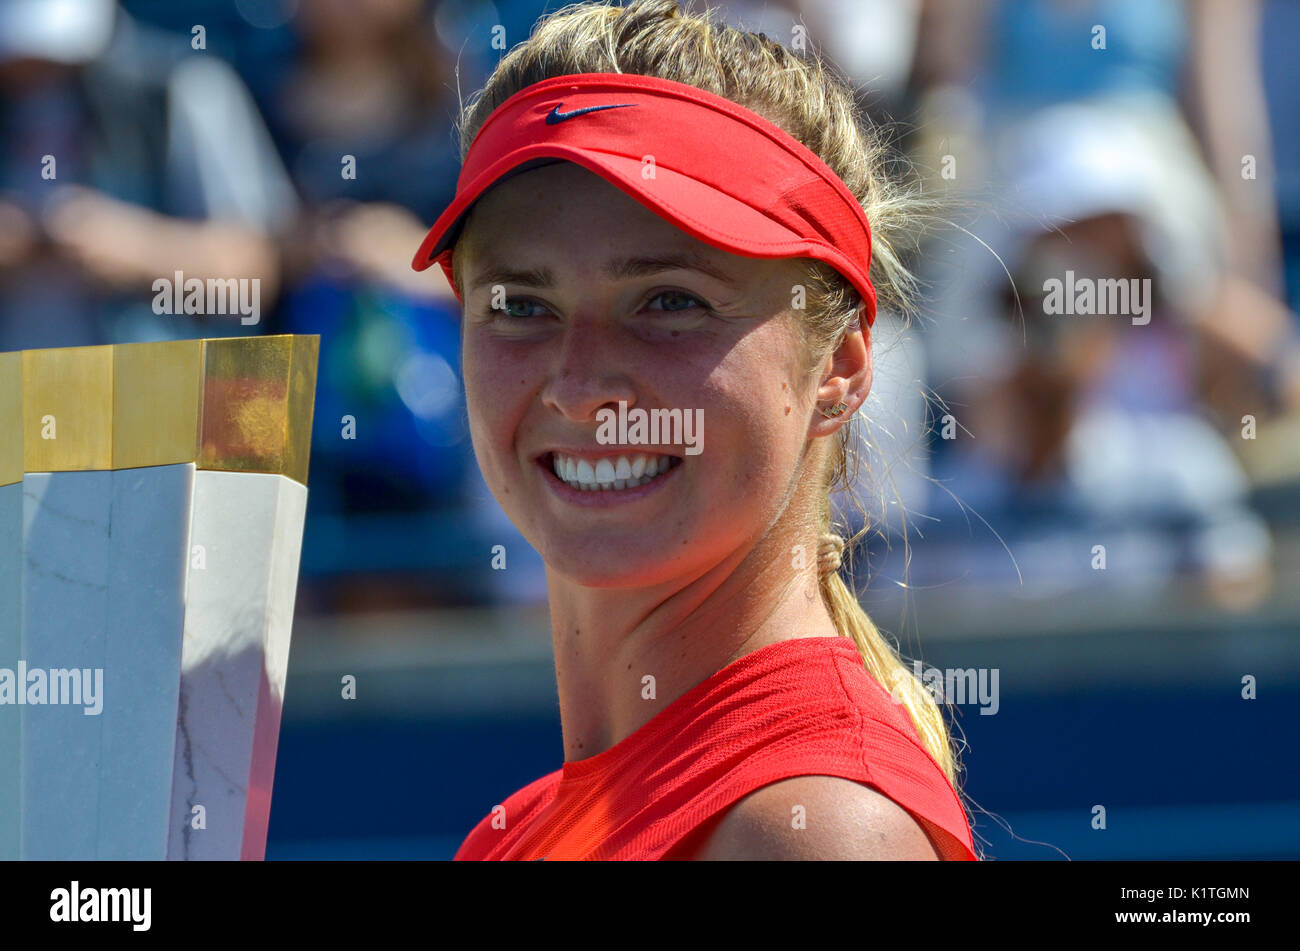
{"x": 308, "y": 143}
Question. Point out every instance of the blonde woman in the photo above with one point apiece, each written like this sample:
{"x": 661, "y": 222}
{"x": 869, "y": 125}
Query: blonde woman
{"x": 663, "y": 243}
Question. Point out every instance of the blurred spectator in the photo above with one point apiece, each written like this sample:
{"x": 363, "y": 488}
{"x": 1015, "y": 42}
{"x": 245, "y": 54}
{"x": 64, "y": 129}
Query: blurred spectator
{"x": 130, "y": 156}
{"x": 362, "y": 117}
{"x": 364, "y": 114}
{"x": 1090, "y": 430}
{"x": 1278, "y": 31}
{"x": 1021, "y": 56}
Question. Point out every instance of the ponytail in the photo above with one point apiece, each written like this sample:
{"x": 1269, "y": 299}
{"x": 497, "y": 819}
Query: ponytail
{"x": 882, "y": 660}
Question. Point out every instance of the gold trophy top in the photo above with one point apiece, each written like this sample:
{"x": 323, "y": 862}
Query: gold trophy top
{"x": 241, "y": 404}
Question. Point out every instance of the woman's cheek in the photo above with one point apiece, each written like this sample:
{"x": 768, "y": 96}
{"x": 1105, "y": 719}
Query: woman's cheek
{"x": 486, "y": 383}
{"x": 487, "y": 436}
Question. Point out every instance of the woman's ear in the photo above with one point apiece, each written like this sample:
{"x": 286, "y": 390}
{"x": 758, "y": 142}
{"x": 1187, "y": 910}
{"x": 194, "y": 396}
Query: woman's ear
{"x": 848, "y": 378}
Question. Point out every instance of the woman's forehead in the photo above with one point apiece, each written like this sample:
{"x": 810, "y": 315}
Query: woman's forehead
{"x": 560, "y": 210}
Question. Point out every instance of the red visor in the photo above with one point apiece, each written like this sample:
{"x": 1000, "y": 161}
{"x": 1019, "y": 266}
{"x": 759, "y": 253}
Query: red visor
{"x": 714, "y": 169}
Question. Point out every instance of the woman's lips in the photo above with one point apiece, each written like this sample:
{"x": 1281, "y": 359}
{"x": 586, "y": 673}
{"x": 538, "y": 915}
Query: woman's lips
{"x": 602, "y": 498}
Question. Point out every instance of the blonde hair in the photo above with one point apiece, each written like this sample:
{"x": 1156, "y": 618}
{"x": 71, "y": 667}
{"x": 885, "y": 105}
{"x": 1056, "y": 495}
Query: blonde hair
{"x": 803, "y": 96}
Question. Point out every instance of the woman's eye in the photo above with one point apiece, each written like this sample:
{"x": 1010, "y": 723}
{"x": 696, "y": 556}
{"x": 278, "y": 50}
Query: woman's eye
{"x": 517, "y": 307}
{"x": 522, "y": 308}
{"x": 679, "y": 296}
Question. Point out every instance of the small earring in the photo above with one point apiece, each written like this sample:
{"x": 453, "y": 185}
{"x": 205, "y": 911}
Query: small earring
{"x": 835, "y": 410}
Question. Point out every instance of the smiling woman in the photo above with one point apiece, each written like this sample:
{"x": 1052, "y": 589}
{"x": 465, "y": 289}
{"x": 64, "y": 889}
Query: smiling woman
{"x": 658, "y": 213}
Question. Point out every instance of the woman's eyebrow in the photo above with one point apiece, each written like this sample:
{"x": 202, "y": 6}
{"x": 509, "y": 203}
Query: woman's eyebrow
{"x": 643, "y": 265}
{"x": 502, "y": 274}
{"x": 618, "y": 269}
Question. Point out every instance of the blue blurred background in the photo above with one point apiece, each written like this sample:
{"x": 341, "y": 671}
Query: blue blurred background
{"x": 213, "y": 137}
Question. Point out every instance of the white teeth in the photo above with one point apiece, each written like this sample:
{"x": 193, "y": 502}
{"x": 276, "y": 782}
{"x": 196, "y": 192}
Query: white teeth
{"x": 612, "y": 472}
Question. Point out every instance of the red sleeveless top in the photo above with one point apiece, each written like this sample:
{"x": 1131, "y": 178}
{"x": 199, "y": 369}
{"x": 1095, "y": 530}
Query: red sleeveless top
{"x": 802, "y": 707}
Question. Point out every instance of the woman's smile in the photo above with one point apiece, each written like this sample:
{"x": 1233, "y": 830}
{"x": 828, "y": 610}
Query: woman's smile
{"x": 608, "y": 480}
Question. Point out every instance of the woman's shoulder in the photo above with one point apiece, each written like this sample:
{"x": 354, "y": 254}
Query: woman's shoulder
{"x": 827, "y": 766}
{"x": 809, "y": 818}
{"x": 494, "y": 831}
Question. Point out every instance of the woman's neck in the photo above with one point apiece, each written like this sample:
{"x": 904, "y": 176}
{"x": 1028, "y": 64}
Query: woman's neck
{"x": 623, "y": 655}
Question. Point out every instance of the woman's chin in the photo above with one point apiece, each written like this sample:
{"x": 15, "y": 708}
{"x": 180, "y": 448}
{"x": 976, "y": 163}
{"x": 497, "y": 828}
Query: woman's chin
{"x": 612, "y": 568}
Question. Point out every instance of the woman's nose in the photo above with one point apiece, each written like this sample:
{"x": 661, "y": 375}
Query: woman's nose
{"x": 590, "y": 371}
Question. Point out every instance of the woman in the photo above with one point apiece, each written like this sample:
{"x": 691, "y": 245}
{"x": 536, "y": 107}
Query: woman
{"x": 634, "y": 235}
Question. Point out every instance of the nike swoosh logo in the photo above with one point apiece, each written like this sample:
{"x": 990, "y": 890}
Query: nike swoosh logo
{"x": 555, "y": 115}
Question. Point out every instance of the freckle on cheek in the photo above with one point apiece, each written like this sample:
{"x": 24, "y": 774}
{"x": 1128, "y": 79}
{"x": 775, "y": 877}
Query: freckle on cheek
{"x": 787, "y": 411}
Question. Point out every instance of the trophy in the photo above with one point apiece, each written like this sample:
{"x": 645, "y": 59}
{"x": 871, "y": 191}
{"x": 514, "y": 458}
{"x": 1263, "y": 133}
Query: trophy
{"x": 152, "y": 499}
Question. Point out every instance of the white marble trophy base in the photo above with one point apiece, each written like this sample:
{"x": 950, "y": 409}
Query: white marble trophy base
{"x": 176, "y": 586}
{"x": 238, "y": 618}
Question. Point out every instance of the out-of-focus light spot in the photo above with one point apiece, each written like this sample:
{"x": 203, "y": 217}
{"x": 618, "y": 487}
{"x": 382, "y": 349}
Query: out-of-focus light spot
{"x": 379, "y": 347}
{"x": 266, "y": 14}
{"x": 427, "y": 385}
{"x": 458, "y": 21}
{"x": 57, "y": 31}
